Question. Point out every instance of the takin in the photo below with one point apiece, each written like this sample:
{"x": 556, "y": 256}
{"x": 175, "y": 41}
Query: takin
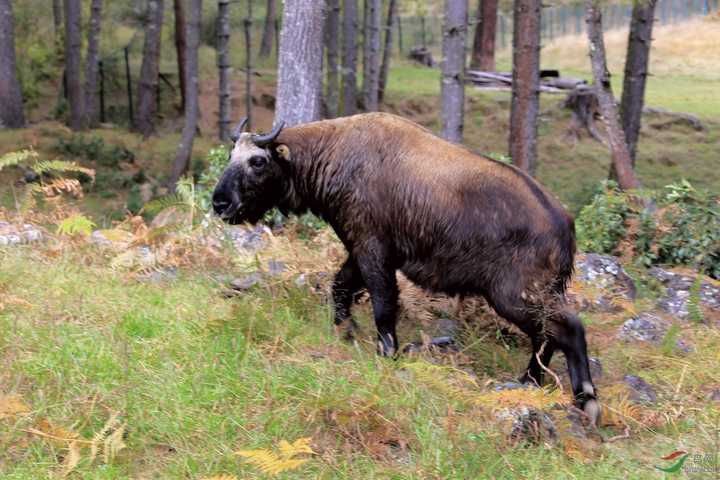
{"x": 452, "y": 221}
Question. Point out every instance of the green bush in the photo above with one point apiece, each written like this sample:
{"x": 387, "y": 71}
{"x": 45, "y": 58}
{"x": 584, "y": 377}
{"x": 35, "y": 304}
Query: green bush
{"x": 678, "y": 225}
{"x": 94, "y": 149}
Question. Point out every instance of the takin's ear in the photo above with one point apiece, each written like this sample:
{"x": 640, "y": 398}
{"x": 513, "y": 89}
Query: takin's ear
{"x": 283, "y": 151}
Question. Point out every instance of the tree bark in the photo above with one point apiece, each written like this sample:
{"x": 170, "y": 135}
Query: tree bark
{"x": 483, "y": 52}
{"x": 247, "y": 24}
{"x": 371, "y": 62}
{"x": 387, "y": 51}
{"x": 180, "y": 48}
{"x": 616, "y": 137}
{"x": 300, "y": 62}
{"x": 332, "y": 39}
{"x": 11, "y": 103}
{"x": 184, "y": 151}
{"x": 636, "y": 71}
{"x": 57, "y": 17}
{"x": 349, "y": 57}
{"x": 223, "y": 64}
{"x": 150, "y": 70}
{"x": 268, "y": 30}
{"x": 73, "y": 44}
{"x": 453, "y": 69}
{"x": 525, "y": 84}
{"x": 92, "y": 111}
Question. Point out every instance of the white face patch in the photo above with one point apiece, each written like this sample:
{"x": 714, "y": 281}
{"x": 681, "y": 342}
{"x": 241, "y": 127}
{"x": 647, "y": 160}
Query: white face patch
{"x": 244, "y": 149}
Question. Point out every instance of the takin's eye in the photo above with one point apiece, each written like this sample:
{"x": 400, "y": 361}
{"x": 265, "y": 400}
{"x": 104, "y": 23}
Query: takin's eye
{"x": 257, "y": 163}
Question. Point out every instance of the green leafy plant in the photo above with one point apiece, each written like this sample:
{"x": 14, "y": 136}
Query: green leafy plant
{"x": 601, "y": 224}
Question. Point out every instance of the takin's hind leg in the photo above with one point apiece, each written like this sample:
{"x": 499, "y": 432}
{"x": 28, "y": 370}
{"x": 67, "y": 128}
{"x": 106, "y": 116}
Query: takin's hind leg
{"x": 345, "y": 289}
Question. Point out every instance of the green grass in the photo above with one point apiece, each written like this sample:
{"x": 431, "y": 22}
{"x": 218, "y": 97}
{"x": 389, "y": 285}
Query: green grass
{"x": 197, "y": 376}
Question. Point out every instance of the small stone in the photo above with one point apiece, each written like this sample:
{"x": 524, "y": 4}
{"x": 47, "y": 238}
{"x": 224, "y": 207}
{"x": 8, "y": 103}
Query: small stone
{"x": 606, "y": 273}
{"x": 447, "y": 327}
{"x": 301, "y": 280}
{"x": 677, "y": 292}
{"x": 511, "y": 386}
{"x": 684, "y": 347}
{"x": 640, "y": 390}
{"x": 276, "y": 267}
{"x": 596, "y": 369}
{"x": 714, "y": 396}
{"x": 533, "y": 426}
{"x": 98, "y": 238}
{"x": 245, "y": 283}
{"x": 646, "y": 327}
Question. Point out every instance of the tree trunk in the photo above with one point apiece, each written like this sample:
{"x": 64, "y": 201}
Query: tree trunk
{"x": 636, "y": 71}
{"x": 349, "y": 60}
{"x": 92, "y": 111}
{"x": 616, "y": 137}
{"x": 483, "y": 52}
{"x": 525, "y": 84}
{"x": 223, "y": 64}
{"x": 453, "y": 69}
{"x": 300, "y": 62}
{"x": 150, "y": 70}
{"x": 387, "y": 51}
{"x": 332, "y": 39}
{"x": 268, "y": 30}
{"x": 180, "y": 48}
{"x": 11, "y": 104}
{"x": 73, "y": 44}
{"x": 57, "y": 17}
{"x": 371, "y": 62}
{"x": 247, "y": 24}
{"x": 184, "y": 151}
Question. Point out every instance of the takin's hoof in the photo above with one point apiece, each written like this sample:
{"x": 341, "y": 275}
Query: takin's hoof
{"x": 592, "y": 410}
{"x": 346, "y": 330}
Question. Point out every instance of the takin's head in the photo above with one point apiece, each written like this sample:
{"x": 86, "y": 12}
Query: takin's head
{"x": 253, "y": 181}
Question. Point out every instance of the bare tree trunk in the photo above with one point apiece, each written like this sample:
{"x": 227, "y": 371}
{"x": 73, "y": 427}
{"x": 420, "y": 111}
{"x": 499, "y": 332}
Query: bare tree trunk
{"x": 387, "y": 51}
{"x": 349, "y": 60}
{"x": 525, "y": 84}
{"x": 268, "y": 30}
{"x": 453, "y": 69}
{"x": 11, "y": 103}
{"x": 247, "y": 24}
{"x": 184, "y": 151}
{"x": 300, "y": 62}
{"x": 73, "y": 44}
{"x": 150, "y": 70}
{"x": 636, "y": 71}
{"x": 332, "y": 39}
{"x": 92, "y": 111}
{"x": 616, "y": 137}
{"x": 483, "y": 52}
{"x": 181, "y": 48}
{"x": 57, "y": 16}
{"x": 223, "y": 64}
{"x": 371, "y": 63}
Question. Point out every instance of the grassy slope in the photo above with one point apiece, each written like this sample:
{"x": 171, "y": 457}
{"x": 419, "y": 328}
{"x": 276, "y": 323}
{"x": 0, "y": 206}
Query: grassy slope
{"x": 198, "y": 376}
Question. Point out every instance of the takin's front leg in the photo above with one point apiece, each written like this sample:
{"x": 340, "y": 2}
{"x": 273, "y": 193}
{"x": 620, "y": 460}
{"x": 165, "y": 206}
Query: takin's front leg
{"x": 378, "y": 272}
{"x": 345, "y": 289}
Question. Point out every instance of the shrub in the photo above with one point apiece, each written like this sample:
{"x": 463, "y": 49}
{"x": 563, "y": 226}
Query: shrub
{"x": 678, "y": 225}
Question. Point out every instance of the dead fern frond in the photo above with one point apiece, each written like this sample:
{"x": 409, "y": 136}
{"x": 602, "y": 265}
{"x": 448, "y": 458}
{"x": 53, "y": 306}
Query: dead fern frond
{"x": 220, "y": 477}
{"x": 113, "y": 424}
{"x": 59, "y": 186}
{"x": 273, "y": 463}
{"x": 12, "y": 405}
{"x": 72, "y": 459}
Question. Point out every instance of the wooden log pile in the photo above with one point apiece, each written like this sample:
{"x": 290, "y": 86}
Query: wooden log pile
{"x": 550, "y": 81}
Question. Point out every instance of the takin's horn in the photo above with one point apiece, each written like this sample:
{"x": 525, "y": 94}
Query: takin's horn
{"x": 235, "y": 135}
{"x": 263, "y": 140}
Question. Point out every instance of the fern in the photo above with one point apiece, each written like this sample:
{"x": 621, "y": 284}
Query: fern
{"x": 16, "y": 158}
{"x": 695, "y": 313}
{"x": 76, "y": 224}
{"x": 173, "y": 200}
{"x": 273, "y": 463}
{"x": 61, "y": 166}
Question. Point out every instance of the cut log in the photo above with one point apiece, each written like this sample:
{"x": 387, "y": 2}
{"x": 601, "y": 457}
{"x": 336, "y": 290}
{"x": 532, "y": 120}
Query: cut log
{"x": 423, "y": 56}
{"x": 676, "y": 118}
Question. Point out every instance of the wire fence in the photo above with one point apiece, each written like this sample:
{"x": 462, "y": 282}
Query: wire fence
{"x": 556, "y": 21}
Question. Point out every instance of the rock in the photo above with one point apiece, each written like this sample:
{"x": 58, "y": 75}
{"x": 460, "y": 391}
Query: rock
{"x": 146, "y": 192}
{"x": 276, "y": 267}
{"x": 245, "y": 283}
{"x": 640, "y": 390}
{"x": 98, "y": 238}
{"x": 12, "y": 234}
{"x": 511, "y": 386}
{"x": 248, "y": 239}
{"x": 714, "y": 396}
{"x": 532, "y": 426}
{"x": 447, "y": 327}
{"x": 605, "y": 272}
{"x": 169, "y": 216}
{"x": 677, "y": 292}
{"x": 438, "y": 344}
{"x": 646, "y": 327}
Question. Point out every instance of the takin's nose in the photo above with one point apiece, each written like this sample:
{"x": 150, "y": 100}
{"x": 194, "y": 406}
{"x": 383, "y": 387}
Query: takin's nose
{"x": 221, "y": 202}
